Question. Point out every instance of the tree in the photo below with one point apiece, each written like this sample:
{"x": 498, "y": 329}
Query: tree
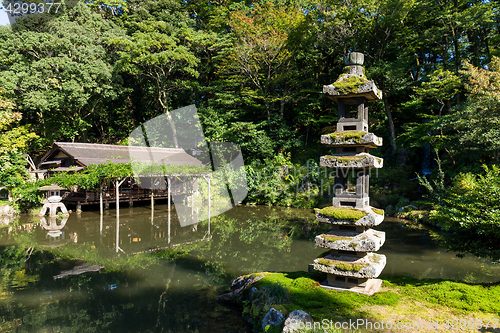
{"x": 14, "y": 141}
{"x": 158, "y": 55}
{"x": 478, "y": 121}
{"x": 262, "y": 51}
{"x": 59, "y": 73}
{"x": 469, "y": 214}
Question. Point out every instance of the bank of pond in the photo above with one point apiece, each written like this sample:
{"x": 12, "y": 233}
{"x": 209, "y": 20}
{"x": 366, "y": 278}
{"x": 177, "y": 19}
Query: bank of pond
{"x": 148, "y": 271}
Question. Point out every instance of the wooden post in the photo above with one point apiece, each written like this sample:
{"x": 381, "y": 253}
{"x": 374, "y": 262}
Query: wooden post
{"x": 117, "y": 205}
{"x": 209, "y": 204}
{"x": 168, "y": 183}
{"x": 117, "y": 230}
{"x": 100, "y": 200}
{"x": 118, "y": 183}
{"x": 152, "y": 200}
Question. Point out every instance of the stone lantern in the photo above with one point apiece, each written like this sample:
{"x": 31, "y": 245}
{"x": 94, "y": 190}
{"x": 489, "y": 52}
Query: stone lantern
{"x": 53, "y": 202}
{"x": 351, "y": 263}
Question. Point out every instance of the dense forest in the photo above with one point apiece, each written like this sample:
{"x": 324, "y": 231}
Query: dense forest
{"x": 96, "y": 70}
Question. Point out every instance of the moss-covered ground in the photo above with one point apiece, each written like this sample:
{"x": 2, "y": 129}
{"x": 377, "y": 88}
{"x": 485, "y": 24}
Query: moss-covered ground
{"x": 402, "y": 299}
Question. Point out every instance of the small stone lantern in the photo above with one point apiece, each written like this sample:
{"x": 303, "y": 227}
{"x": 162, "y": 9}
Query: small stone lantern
{"x": 53, "y": 201}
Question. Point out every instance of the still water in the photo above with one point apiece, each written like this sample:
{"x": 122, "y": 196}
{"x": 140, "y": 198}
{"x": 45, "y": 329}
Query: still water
{"x": 93, "y": 274}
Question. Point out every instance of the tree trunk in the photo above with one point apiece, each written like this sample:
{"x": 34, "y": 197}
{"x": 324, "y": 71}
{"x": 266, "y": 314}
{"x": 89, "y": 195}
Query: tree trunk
{"x": 268, "y": 110}
{"x": 161, "y": 98}
{"x": 282, "y": 106}
{"x": 174, "y": 130}
{"x": 391, "y": 124}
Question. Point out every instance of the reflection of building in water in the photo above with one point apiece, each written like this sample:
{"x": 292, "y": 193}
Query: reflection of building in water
{"x": 136, "y": 232}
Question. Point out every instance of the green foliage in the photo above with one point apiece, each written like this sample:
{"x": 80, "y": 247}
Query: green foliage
{"x": 279, "y": 182}
{"x": 442, "y": 85}
{"x": 274, "y": 294}
{"x": 343, "y": 213}
{"x": 462, "y": 297}
{"x": 437, "y": 189}
{"x": 255, "y": 72}
{"x": 469, "y": 213}
{"x": 306, "y": 294}
{"x": 14, "y": 141}
{"x": 61, "y": 69}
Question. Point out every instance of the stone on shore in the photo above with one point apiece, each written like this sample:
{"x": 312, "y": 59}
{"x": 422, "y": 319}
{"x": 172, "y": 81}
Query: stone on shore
{"x": 295, "y": 320}
{"x": 272, "y": 317}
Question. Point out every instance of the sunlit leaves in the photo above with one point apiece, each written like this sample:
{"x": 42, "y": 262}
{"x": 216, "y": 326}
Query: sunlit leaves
{"x": 470, "y": 213}
{"x": 262, "y": 49}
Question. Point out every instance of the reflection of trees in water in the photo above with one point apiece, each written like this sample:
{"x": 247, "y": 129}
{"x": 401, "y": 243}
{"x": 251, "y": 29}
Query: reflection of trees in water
{"x": 183, "y": 300}
{"x": 253, "y": 244}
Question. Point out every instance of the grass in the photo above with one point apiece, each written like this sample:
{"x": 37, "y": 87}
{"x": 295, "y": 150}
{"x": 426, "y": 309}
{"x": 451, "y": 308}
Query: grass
{"x": 343, "y": 213}
{"x": 401, "y": 299}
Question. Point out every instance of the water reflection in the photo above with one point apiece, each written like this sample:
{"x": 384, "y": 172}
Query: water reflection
{"x": 54, "y": 235}
{"x": 136, "y": 292}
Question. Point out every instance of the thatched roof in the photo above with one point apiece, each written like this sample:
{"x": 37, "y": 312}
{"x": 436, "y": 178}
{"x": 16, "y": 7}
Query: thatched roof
{"x": 84, "y": 154}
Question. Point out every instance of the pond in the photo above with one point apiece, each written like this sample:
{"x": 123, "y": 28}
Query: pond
{"x": 175, "y": 289}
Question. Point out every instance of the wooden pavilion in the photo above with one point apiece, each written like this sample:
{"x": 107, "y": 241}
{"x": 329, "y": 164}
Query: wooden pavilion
{"x": 73, "y": 157}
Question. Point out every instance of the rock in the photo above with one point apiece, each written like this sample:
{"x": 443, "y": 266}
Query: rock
{"x": 406, "y": 208}
{"x": 6, "y": 210}
{"x": 272, "y": 317}
{"x": 345, "y": 240}
{"x": 251, "y": 292}
{"x": 371, "y": 219}
{"x": 237, "y": 286}
{"x": 368, "y": 139}
{"x": 370, "y": 266}
{"x": 294, "y": 321}
{"x": 361, "y": 160}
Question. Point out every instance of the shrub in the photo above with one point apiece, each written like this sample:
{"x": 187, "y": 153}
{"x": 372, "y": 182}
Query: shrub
{"x": 469, "y": 213}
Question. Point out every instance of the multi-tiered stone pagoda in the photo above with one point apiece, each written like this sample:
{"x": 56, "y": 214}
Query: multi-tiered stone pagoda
{"x": 351, "y": 263}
